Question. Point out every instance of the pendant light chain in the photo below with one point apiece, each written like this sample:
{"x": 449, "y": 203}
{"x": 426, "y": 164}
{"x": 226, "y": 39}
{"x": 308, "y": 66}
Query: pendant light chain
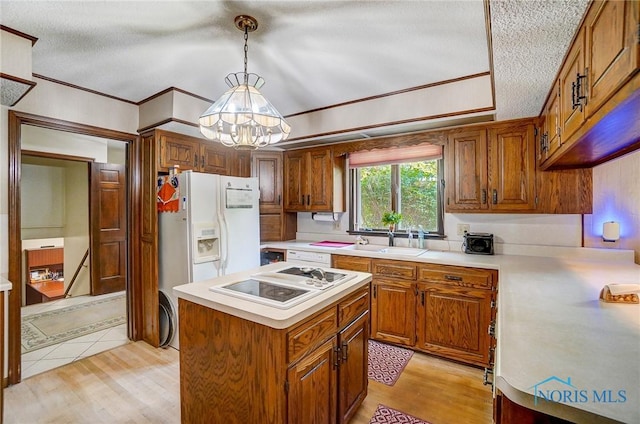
{"x": 246, "y": 50}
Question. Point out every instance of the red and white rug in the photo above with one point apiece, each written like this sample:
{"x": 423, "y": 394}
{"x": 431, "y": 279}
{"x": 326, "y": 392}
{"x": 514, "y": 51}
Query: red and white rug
{"x": 386, "y": 362}
{"x": 386, "y": 415}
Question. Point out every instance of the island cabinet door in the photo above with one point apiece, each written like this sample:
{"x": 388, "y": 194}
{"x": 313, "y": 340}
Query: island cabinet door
{"x": 353, "y": 371}
{"x": 393, "y": 307}
{"x": 453, "y": 322}
{"x": 312, "y": 386}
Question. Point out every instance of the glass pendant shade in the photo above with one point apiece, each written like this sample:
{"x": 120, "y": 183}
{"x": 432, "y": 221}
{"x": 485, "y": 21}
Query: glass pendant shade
{"x": 242, "y": 117}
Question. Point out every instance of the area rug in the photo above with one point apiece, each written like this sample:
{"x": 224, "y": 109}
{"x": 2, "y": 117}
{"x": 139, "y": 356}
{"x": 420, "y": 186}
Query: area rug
{"x": 51, "y": 327}
{"x": 386, "y": 415}
{"x": 386, "y": 362}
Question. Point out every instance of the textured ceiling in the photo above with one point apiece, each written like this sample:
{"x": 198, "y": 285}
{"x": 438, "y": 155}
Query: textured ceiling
{"x": 312, "y": 54}
{"x": 530, "y": 38}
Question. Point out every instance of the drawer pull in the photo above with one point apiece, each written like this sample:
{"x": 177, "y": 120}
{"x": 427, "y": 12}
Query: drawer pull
{"x": 452, "y": 278}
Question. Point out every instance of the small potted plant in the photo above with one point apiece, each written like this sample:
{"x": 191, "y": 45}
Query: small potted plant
{"x": 391, "y": 219}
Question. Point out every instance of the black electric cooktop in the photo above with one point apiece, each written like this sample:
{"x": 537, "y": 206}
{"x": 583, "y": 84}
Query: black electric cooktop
{"x": 266, "y": 290}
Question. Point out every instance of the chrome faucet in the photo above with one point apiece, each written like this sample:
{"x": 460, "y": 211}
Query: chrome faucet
{"x": 362, "y": 240}
{"x": 319, "y": 271}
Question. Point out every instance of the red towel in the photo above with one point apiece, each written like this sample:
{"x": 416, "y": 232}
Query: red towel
{"x": 168, "y": 194}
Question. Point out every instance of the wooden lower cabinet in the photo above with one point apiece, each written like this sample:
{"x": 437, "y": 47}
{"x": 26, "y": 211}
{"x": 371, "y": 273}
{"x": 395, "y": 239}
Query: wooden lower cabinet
{"x": 353, "y": 372}
{"x": 237, "y": 371}
{"x": 443, "y": 310}
{"x": 351, "y": 263}
{"x": 393, "y": 308}
{"x": 312, "y": 387}
{"x": 453, "y": 322}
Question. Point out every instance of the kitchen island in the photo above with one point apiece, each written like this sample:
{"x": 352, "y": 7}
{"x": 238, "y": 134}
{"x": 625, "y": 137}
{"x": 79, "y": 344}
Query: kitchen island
{"x": 554, "y": 337}
{"x": 247, "y": 362}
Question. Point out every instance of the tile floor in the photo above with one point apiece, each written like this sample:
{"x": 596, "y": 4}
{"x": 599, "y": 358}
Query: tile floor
{"x": 60, "y": 354}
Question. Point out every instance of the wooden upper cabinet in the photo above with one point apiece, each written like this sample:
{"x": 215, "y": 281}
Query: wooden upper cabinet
{"x": 549, "y": 138}
{"x": 178, "y": 151}
{"x": 466, "y": 163}
{"x": 200, "y": 155}
{"x": 612, "y": 55}
{"x": 313, "y": 181}
{"x": 215, "y": 159}
{"x": 320, "y": 170}
{"x": 572, "y": 87}
{"x": 598, "y": 88}
{"x": 295, "y": 181}
{"x": 267, "y": 167}
{"x": 491, "y": 169}
{"x": 240, "y": 165}
{"x": 512, "y": 167}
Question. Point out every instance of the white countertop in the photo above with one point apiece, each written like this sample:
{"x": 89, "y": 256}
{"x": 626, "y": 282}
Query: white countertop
{"x": 267, "y": 315}
{"x": 5, "y": 285}
{"x": 550, "y": 323}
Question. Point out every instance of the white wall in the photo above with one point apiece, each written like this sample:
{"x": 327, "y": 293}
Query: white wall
{"x": 616, "y": 197}
{"x": 76, "y": 234}
{"x": 513, "y": 233}
{"x": 42, "y": 194}
{"x": 60, "y": 102}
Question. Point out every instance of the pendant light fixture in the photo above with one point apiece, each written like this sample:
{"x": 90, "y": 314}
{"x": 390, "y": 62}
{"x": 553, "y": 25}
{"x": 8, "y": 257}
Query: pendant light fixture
{"x": 242, "y": 117}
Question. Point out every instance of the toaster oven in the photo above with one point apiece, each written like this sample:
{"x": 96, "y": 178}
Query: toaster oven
{"x": 478, "y": 243}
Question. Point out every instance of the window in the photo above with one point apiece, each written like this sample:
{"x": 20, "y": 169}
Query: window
{"x": 405, "y": 180}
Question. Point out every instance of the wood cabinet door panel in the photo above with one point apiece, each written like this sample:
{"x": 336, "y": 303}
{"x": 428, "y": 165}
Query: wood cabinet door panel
{"x": 571, "y": 118}
{"x": 454, "y": 322}
{"x": 353, "y": 306}
{"x": 352, "y": 263}
{"x": 353, "y": 372}
{"x": 512, "y": 168}
{"x": 214, "y": 159}
{"x": 393, "y": 309}
{"x": 611, "y": 48}
{"x": 307, "y": 335}
{"x": 295, "y": 181}
{"x": 267, "y": 167}
{"x": 270, "y": 227}
{"x": 467, "y": 170}
{"x": 175, "y": 151}
{"x": 551, "y": 127}
{"x": 458, "y": 276}
{"x": 320, "y": 180}
{"x": 395, "y": 269}
{"x": 240, "y": 165}
{"x": 313, "y": 392}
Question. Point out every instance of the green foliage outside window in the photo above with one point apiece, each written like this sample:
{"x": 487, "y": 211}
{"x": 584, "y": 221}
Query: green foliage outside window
{"x": 418, "y": 197}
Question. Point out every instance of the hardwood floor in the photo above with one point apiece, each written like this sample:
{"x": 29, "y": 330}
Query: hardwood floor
{"x": 137, "y": 383}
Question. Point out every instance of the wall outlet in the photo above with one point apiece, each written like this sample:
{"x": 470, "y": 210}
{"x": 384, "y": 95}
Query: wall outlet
{"x": 462, "y": 228}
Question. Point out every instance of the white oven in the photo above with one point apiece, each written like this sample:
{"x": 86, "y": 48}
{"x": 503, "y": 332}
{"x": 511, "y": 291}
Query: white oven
{"x": 311, "y": 258}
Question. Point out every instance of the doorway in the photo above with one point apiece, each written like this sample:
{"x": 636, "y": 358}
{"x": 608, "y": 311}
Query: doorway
{"x": 115, "y": 185}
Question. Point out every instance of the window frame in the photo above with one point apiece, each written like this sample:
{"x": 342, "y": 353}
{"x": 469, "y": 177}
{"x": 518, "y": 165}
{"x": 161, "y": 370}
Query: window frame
{"x": 354, "y": 196}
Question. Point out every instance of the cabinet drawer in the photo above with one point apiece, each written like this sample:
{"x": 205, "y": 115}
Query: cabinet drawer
{"x": 459, "y": 276}
{"x": 310, "y": 334}
{"x": 352, "y": 263}
{"x": 352, "y": 307}
{"x": 397, "y": 269}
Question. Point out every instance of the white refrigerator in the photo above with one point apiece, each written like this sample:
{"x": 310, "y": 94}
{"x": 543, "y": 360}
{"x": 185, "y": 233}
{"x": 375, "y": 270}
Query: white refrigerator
{"x": 216, "y": 231}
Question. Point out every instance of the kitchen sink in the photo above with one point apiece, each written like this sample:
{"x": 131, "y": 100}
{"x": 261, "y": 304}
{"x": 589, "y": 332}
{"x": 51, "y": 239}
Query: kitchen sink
{"x": 391, "y": 250}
